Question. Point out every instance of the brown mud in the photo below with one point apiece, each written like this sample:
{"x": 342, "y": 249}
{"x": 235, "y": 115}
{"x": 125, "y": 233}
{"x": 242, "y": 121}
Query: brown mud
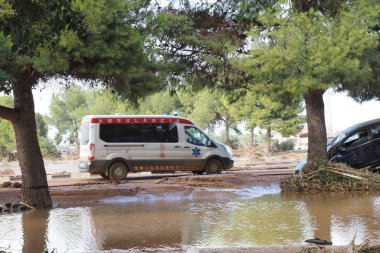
{"x": 69, "y": 193}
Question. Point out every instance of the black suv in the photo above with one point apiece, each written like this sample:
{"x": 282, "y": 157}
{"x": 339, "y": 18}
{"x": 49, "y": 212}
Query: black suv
{"x": 357, "y": 146}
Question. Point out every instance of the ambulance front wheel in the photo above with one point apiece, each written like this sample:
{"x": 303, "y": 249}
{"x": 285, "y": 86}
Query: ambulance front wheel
{"x": 118, "y": 171}
{"x": 214, "y": 166}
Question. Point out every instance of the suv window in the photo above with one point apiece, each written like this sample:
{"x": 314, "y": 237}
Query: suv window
{"x": 195, "y": 136}
{"x": 375, "y": 131}
{"x": 137, "y": 133}
{"x": 356, "y": 139}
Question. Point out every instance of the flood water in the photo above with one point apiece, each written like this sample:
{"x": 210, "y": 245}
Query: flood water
{"x": 257, "y": 216}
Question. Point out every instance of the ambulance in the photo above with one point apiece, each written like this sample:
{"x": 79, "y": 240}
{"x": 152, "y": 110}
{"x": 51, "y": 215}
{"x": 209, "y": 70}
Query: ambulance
{"x": 114, "y": 145}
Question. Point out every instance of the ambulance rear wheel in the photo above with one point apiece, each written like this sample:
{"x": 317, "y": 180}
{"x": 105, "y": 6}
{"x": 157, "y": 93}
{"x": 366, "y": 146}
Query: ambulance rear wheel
{"x": 214, "y": 166}
{"x": 118, "y": 171}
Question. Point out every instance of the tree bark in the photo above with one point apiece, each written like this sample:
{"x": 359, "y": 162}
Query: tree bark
{"x": 35, "y": 191}
{"x": 316, "y": 126}
{"x": 252, "y": 137}
{"x": 228, "y": 141}
{"x": 269, "y": 138}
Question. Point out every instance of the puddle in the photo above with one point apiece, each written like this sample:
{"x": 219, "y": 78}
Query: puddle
{"x": 259, "y": 216}
{"x": 260, "y": 190}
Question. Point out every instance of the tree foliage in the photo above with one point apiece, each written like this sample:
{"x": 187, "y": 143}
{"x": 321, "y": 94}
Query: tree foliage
{"x": 322, "y": 51}
{"x": 69, "y": 106}
{"x": 91, "y": 40}
{"x": 67, "y": 109}
{"x": 281, "y": 113}
{"x": 7, "y": 136}
{"x": 305, "y": 53}
{"x": 198, "y": 41}
{"x": 100, "y": 42}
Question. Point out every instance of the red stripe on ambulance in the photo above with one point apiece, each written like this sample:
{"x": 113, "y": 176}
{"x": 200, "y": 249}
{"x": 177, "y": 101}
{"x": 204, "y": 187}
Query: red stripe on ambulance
{"x": 139, "y": 120}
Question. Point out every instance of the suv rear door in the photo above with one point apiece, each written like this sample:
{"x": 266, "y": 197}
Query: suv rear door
{"x": 361, "y": 148}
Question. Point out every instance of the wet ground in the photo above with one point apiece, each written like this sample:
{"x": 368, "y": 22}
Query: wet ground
{"x": 242, "y": 210}
{"x": 232, "y": 212}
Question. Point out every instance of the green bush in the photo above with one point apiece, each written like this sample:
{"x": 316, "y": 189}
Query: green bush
{"x": 47, "y": 147}
{"x": 283, "y": 146}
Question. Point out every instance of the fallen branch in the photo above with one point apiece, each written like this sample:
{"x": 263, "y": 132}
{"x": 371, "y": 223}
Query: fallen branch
{"x": 28, "y": 206}
{"x": 357, "y": 173}
{"x": 161, "y": 180}
{"x": 346, "y": 174}
{"x": 312, "y": 173}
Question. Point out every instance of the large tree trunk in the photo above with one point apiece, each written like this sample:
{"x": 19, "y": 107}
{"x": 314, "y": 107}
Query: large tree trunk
{"x": 35, "y": 191}
{"x": 316, "y": 126}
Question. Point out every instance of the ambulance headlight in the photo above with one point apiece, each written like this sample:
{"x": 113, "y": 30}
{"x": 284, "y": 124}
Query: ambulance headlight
{"x": 228, "y": 149}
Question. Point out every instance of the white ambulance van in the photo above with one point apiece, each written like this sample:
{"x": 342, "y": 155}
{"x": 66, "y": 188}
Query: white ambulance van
{"x": 113, "y": 145}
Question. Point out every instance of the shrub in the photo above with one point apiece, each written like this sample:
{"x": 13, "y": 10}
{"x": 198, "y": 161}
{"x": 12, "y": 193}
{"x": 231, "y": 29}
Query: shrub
{"x": 283, "y": 146}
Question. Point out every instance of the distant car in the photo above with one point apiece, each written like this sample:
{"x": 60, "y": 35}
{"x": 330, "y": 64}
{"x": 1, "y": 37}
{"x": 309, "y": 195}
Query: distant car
{"x": 357, "y": 146}
{"x": 300, "y": 147}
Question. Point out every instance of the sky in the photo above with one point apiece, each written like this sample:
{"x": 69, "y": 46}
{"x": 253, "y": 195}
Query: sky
{"x": 341, "y": 111}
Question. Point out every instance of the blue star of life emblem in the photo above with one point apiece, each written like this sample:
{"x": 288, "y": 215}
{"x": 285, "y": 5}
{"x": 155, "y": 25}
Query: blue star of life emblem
{"x": 196, "y": 152}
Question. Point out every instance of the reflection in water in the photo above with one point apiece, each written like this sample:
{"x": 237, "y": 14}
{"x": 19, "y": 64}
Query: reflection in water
{"x": 219, "y": 220}
{"x": 71, "y": 230}
{"x": 11, "y": 232}
{"x": 248, "y": 223}
{"x": 34, "y": 229}
{"x": 339, "y": 216}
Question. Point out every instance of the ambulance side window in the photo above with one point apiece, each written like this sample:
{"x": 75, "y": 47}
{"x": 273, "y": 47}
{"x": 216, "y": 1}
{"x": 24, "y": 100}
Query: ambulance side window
{"x": 195, "y": 136}
{"x": 138, "y": 133}
{"x": 158, "y": 133}
{"x": 114, "y": 133}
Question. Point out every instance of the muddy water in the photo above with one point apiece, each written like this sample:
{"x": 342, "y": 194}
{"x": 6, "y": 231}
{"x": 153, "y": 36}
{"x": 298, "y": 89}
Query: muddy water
{"x": 257, "y": 216}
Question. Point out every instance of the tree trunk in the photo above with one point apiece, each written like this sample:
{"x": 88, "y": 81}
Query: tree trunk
{"x": 35, "y": 191}
{"x": 228, "y": 141}
{"x": 252, "y": 137}
{"x": 316, "y": 126}
{"x": 269, "y": 138}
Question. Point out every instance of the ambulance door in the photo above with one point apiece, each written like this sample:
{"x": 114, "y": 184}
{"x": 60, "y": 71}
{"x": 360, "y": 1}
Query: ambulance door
{"x": 161, "y": 140}
{"x": 193, "y": 147}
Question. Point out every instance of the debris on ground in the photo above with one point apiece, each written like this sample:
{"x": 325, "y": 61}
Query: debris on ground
{"x": 318, "y": 241}
{"x": 332, "y": 177}
{"x": 201, "y": 181}
{"x": 8, "y": 184}
{"x": 14, "y": 207}
{"x": 7, "y": 172}
{"x": 61, "y": 174}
